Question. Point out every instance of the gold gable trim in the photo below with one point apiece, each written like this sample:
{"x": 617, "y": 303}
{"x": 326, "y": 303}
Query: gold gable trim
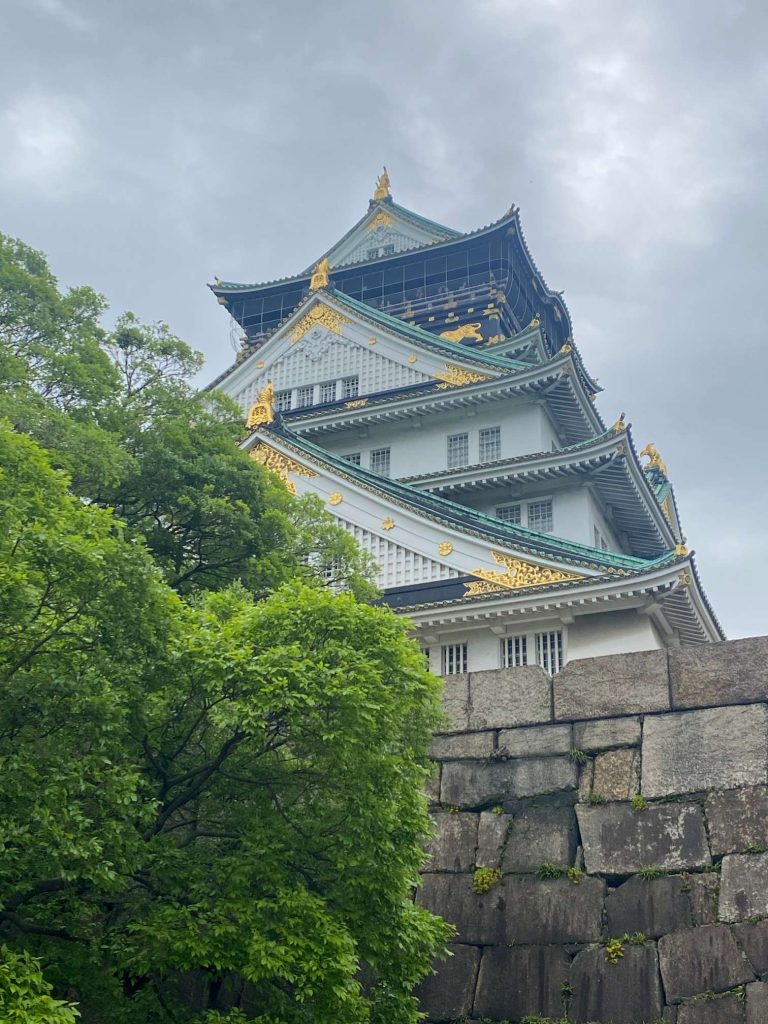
{"x": 280, "y": 464}
{"x": 454, "y": 376}
{"x": 517, "y": 573}
{"x": 319, "y": 316}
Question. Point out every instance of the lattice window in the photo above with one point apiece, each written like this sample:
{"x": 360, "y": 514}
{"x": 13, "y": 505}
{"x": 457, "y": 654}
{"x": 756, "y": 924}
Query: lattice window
{"x": 350, "y": 387}
{"x": 458, "y": 450}
{"x": 510, "y": 514}
{"x": 514, "y": 651}
{"x": 353, "y": 457}
{"x": 454, "y": 659}
{"x": 283, "y": 401}
{"x": 490, "y": 444}
{"x": 549, "y": 651}
{"x": 380, "y": 461}
{"x": 305, "y": 397}
{"x": 328, "y": 392}
{"x": 398, "y": 566}
{"x": 540, "y": 516}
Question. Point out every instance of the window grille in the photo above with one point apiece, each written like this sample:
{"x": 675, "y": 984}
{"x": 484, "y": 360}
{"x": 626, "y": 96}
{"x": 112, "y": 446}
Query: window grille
{"x": 510, "y": 514}
{"x": 350, "y": 387}
{"x": 549, "y": 651}
{"x": 458, "y": 450}
{"x": 380, "y": 461}
{"x": 540, "y": 516}
{"x": 490, "y": 444}
{"x": 388, "y": 250}
{"x": 514, "y": 651}
{"x": 454, "y": 659}
{"x": 283, "y": 401}
{"x": 353, "y": 457}
{"x": 305, "y": 397}
{"x": 328, "y": 392}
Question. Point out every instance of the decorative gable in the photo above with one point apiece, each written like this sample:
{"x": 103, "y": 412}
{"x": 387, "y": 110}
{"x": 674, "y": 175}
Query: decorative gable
{"x": 384, "y": 231}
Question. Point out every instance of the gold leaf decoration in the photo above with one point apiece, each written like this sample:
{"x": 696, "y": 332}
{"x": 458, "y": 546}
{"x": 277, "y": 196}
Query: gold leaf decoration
{"x": 261, "y": 410}
{"x": 454, "y": 377}
{"x": 381, "y": 220}
{"x": 319, "y": 316}
{"x": 517, "y": 573}
{"x": 477, "y": 587}
{"x": 412, "y": 358}
{"x": 280, "y": 464}
{"x": 388, "y": 524}
{"x": 356, "y": 403}
{"x": 335, "y": 498}
{"x": 445, "y": 548}
{"x": 371, "y": 341}
{"x": 465, "y": 331}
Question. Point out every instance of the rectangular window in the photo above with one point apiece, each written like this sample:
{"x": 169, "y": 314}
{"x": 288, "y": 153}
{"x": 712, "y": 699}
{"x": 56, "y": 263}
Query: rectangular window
{"x": 380, "y": 461}
{"x": 540, "y": 516}
{"x": 510, "y": 514}
{"x": 388, "y": 250}
{"x": 549, "y": 651}
{"x": 514, "y": 651}
{"x": 458, "y": 450}
{"x": 490, "y": 444}
{"x": 328, "y": 392}
{"x": 454, "y": 659}
{"x": 350, "y": 387}
{"x": 353, "y": 457}
{"x": 283, "y": 401}
{"x": 305, "y": 397}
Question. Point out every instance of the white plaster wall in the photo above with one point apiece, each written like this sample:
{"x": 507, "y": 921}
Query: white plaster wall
{"x": 611, "y": 633}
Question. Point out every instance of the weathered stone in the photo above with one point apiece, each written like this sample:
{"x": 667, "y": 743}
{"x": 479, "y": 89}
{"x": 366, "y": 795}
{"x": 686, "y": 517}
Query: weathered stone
{"x": 616, "y": 774}
{"x": 622, "y": 993}
{"x": 480, "y": 783}
{"x": 448, "y": 993}
{"x": 518, "y": 910}
{"x": 613, "y": 685}
{"x": 606, "y": 734}
{"x": 727, "y": 1009}
{"x": 586, "y": 774}
{"x": 542, "y": 835}
{"x": 507, "y": 697}
{"x": 491, "y": 838}
{"x": 704, "y": 891}
{"x": 522, "y": 980}
{"x": 700, "y": 960}
{"x": 737, "y": 819}
{"x": 696, "y": 750}
{"x": 757, "y": 1003}
{"x": 652, "y": 906}
{"x": 709, "y": 675}
{"x": 453, "y": 846}
{"x": 744, "y": 887}
{"x": 455, "y": 702}
{"x": 753, "y": 939}
{"x": 462, "y": 746}
{"x": 535, "y": 741}
{"x": 618, "y": 841}
{"x": 432, "y": 786}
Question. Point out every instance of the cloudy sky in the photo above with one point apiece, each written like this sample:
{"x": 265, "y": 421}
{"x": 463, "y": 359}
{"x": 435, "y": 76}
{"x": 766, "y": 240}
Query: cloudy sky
{"x": 149, "y": 145}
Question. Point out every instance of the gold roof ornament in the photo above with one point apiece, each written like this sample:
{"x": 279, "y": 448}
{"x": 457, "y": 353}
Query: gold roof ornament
{"x": 619, "y": 425}
{"x": 681, "y": 549}
{"x": 320, "y": 275}
{"x": 261, "y": 411}
{"x": 382, "y": 187}
{"x": 567, "y": 347}
{"x": 656, "y": 460}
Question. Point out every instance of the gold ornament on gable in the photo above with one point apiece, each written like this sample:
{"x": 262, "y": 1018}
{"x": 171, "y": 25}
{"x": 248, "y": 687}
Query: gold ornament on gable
{"x": 517, "y": 573}
{"x": 261, "y": 410}
{"x": 382, "y": 186}
{"x": 320, "y": 275}
{"x": 444, "y": 548}
{"x": 381, "y": 220}
{"x": 471, "y": 331}
{"x": 280, "y": 464}
{"x": 319, "y": 316}
{"x": 454, "y": 376}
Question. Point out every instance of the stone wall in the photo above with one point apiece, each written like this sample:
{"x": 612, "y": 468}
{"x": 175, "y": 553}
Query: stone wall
{"x": 625, "y": 799}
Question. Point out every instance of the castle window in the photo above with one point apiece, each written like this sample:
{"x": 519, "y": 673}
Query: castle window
{"x": 353, "y": 457}
{"x": 305, "y": 396}
{"x": 549, "y": 651}
{"x": 350, "y": 387}
{"x": 510, "y": 514}
{"x": 490, "y": 444}
{"x": 514, "y": 651}
{"x": 458, "y": 450}
{"x": 380, "y": 461}
{"x": 454, "y": 659}
{"x": 328, "y": 392}
{"x": 283, "y": 401}
{"x": 540, "y": 516}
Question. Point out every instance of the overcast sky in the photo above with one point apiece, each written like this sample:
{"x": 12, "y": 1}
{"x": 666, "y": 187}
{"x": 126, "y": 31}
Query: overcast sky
{"x": 149, "y": 145}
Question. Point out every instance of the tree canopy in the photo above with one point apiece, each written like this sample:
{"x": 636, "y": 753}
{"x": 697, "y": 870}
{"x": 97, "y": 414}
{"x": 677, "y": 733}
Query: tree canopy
{"x": 211, "y": 765}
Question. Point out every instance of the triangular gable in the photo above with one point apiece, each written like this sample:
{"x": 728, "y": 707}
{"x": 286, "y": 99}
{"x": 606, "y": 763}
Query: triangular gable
{"x": 328, "y": 339}
{"x": 386, "y": 229}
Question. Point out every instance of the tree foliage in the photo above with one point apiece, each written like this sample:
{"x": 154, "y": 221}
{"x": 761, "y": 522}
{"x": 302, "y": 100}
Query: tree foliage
{"x": 210, "y": 765}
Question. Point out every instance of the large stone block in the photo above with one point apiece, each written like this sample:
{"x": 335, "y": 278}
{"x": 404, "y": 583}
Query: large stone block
{"x": 482, "y": 783}
{"x": 727, "y": 1009}
{"x": 606, "y": 733}
{"x": 455, "y": 701}
{"x": 491, "y": 838}
{"x": 521, "y": 980}
{"x": 652, "y": 906}
{"x": 453, "y": 846}
{"x": 744, "y": 887}
{"x": 509, "y": 697}
{"x": 448, "y": 993}
{"x": 616, "y": 774}
{"x": 704, "y": 891}
{"x": 518, "y": 910}
{"x": 700, "y": 960}
{"x": 737, "y": 819}
{"x": 710, "y": 675}
{"x": 432, "y": 786}
{"x": 618, "y": 841}
{"x": 536, "y": 740}
{"x": 542, "y": 835}
{"x": 462, "y": 746}
{"x": 618, "y": 684}
{"x": 753, "y": 940}
{"x": 623, "y": 993}
{"x": 757, "y": 1003}
{"x": 696, "y": 750}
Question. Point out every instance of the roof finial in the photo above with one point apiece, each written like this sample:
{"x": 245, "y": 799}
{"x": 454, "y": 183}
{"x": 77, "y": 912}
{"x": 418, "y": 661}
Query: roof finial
{"x": 382, "y": 187}
{"x": 619, "y": 425}
{"x": 261, "y": 411}
{"x": 320, "y": 275}
{"x": 656, "y": 460}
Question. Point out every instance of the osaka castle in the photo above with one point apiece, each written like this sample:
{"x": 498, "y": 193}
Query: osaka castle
{"x": 426, "y": 385}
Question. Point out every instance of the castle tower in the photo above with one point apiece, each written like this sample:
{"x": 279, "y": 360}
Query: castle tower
{"x": 426, "y": 385}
